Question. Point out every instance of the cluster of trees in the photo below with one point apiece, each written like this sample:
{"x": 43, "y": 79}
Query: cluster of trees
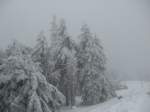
{"x": 23, "y": 87}
{"x": 41, "y": 78}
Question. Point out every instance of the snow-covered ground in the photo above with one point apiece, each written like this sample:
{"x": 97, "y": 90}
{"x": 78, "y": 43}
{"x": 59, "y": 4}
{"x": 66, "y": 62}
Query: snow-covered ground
{"x": 135, "y": 99}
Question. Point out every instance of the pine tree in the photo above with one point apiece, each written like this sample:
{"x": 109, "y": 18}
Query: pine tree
{"x": 64, "y": 62}
{"x": 23, "y": 88}
{"x": 41, "y": 53}
{"x": 16, "y": 47}
{"x": 91, "y": 65}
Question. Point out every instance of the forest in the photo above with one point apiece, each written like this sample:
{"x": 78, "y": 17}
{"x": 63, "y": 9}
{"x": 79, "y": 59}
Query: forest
{"x": 51, "y": 74}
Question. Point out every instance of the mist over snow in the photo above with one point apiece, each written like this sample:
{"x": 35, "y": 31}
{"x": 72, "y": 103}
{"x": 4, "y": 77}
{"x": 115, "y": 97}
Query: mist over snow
{"x": 74, "y": 55}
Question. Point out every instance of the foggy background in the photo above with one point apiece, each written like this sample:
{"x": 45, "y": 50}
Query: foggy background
{"x": 122, "y": 25}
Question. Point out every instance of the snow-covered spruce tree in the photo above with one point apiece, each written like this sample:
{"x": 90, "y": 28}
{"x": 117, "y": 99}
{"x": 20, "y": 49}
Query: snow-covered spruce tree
{"x": 24, "y": 89}
{"x": 64, "y": 61}
{"x": 41, "y": 53}
{"x": 16, "y": 48}
{"x": 94, "y": 86}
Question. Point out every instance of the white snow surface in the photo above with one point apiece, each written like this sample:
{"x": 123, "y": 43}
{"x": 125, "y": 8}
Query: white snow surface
{"x": 134, "y": 99}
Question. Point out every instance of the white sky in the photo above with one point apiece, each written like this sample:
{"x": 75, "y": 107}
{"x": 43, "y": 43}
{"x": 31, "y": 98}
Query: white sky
{"x": 123, "y": 26}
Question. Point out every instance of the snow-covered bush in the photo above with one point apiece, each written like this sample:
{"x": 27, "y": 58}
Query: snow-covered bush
{"x": 24, "y": 89}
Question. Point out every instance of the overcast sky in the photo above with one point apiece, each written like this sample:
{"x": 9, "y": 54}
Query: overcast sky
{"x": 123, "y": 26}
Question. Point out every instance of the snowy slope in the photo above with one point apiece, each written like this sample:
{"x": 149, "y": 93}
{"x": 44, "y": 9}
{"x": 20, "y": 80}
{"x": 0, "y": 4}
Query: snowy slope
{"x": 135, "y": 99}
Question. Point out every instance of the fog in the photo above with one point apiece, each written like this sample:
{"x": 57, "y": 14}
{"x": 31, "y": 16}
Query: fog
{"x": 122, "y": 25}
